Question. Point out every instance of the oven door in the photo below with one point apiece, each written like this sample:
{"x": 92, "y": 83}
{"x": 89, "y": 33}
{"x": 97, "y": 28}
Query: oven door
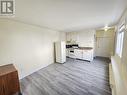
{"x": 71, "y": 53}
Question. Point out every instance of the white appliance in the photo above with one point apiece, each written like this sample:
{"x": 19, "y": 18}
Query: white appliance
{"x": 60, "y": 48}
{"x": 71, "y": 53}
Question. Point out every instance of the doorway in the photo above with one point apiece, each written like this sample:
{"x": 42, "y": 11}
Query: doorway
{"x": 104, "y": 43}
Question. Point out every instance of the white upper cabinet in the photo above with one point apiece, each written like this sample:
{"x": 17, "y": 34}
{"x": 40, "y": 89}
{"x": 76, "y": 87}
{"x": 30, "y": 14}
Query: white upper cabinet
{"x": 83, "y": 38}
{"x": 72, "y": 37}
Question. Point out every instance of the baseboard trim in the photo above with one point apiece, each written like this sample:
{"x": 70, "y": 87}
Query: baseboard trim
{"x": 35, "y": 71}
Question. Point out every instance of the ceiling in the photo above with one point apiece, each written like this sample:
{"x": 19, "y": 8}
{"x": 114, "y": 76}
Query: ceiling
{"x": 69, "y": 15}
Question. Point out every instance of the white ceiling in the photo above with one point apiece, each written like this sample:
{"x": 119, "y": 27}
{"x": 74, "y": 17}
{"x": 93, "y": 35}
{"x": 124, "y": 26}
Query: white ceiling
{"x": 69, "y": 15}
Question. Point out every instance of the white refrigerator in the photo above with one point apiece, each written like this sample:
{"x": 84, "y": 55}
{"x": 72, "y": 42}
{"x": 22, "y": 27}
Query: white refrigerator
{"x": 60, "y": 52}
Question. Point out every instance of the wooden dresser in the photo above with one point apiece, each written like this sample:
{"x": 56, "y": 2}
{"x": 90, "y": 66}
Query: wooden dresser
{"x": 9, "y": 80}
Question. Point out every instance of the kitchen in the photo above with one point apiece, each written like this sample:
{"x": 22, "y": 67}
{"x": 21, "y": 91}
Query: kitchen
{"x": 87, "y": 44}
{"x": 76, "y": 52}
{"x": 80, "y": 45}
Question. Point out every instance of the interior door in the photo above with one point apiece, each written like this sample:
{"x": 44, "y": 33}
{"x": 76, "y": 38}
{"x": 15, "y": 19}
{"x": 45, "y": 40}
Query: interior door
{"x": 104, "y": 46}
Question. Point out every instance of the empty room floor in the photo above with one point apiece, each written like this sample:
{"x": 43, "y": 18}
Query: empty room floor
{"x": 75, "y": 77}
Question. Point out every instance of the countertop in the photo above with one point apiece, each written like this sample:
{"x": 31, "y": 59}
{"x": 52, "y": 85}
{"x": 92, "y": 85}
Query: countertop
{"x": 82, "y": 48}
{"x": 85, "y": 48}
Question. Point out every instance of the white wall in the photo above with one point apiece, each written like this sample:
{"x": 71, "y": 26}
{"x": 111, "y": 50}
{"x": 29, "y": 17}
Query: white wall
{"x": 28, "y": 47}
{"x": 83, "y": 38}
{"x": 120, "y": 68}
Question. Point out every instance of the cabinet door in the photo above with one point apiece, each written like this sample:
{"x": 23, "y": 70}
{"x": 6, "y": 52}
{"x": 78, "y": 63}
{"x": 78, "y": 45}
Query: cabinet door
{"x": 87, "y": 55}
{"x": 68, "y": 37}
{"x": 78, "y": 53}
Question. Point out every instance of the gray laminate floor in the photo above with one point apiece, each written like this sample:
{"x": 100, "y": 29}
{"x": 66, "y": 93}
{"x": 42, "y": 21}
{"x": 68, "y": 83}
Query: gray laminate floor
{"x": 75, "y": 77}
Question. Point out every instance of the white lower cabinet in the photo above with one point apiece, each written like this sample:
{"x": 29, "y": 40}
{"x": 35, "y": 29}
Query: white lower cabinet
{"x": 84, "y": 54}
{"x": 88, "y": 55}
{"x": 78, "y": 53}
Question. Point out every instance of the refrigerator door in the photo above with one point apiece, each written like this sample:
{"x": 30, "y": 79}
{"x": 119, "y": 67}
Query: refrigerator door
{"x": 60, "y": 48}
